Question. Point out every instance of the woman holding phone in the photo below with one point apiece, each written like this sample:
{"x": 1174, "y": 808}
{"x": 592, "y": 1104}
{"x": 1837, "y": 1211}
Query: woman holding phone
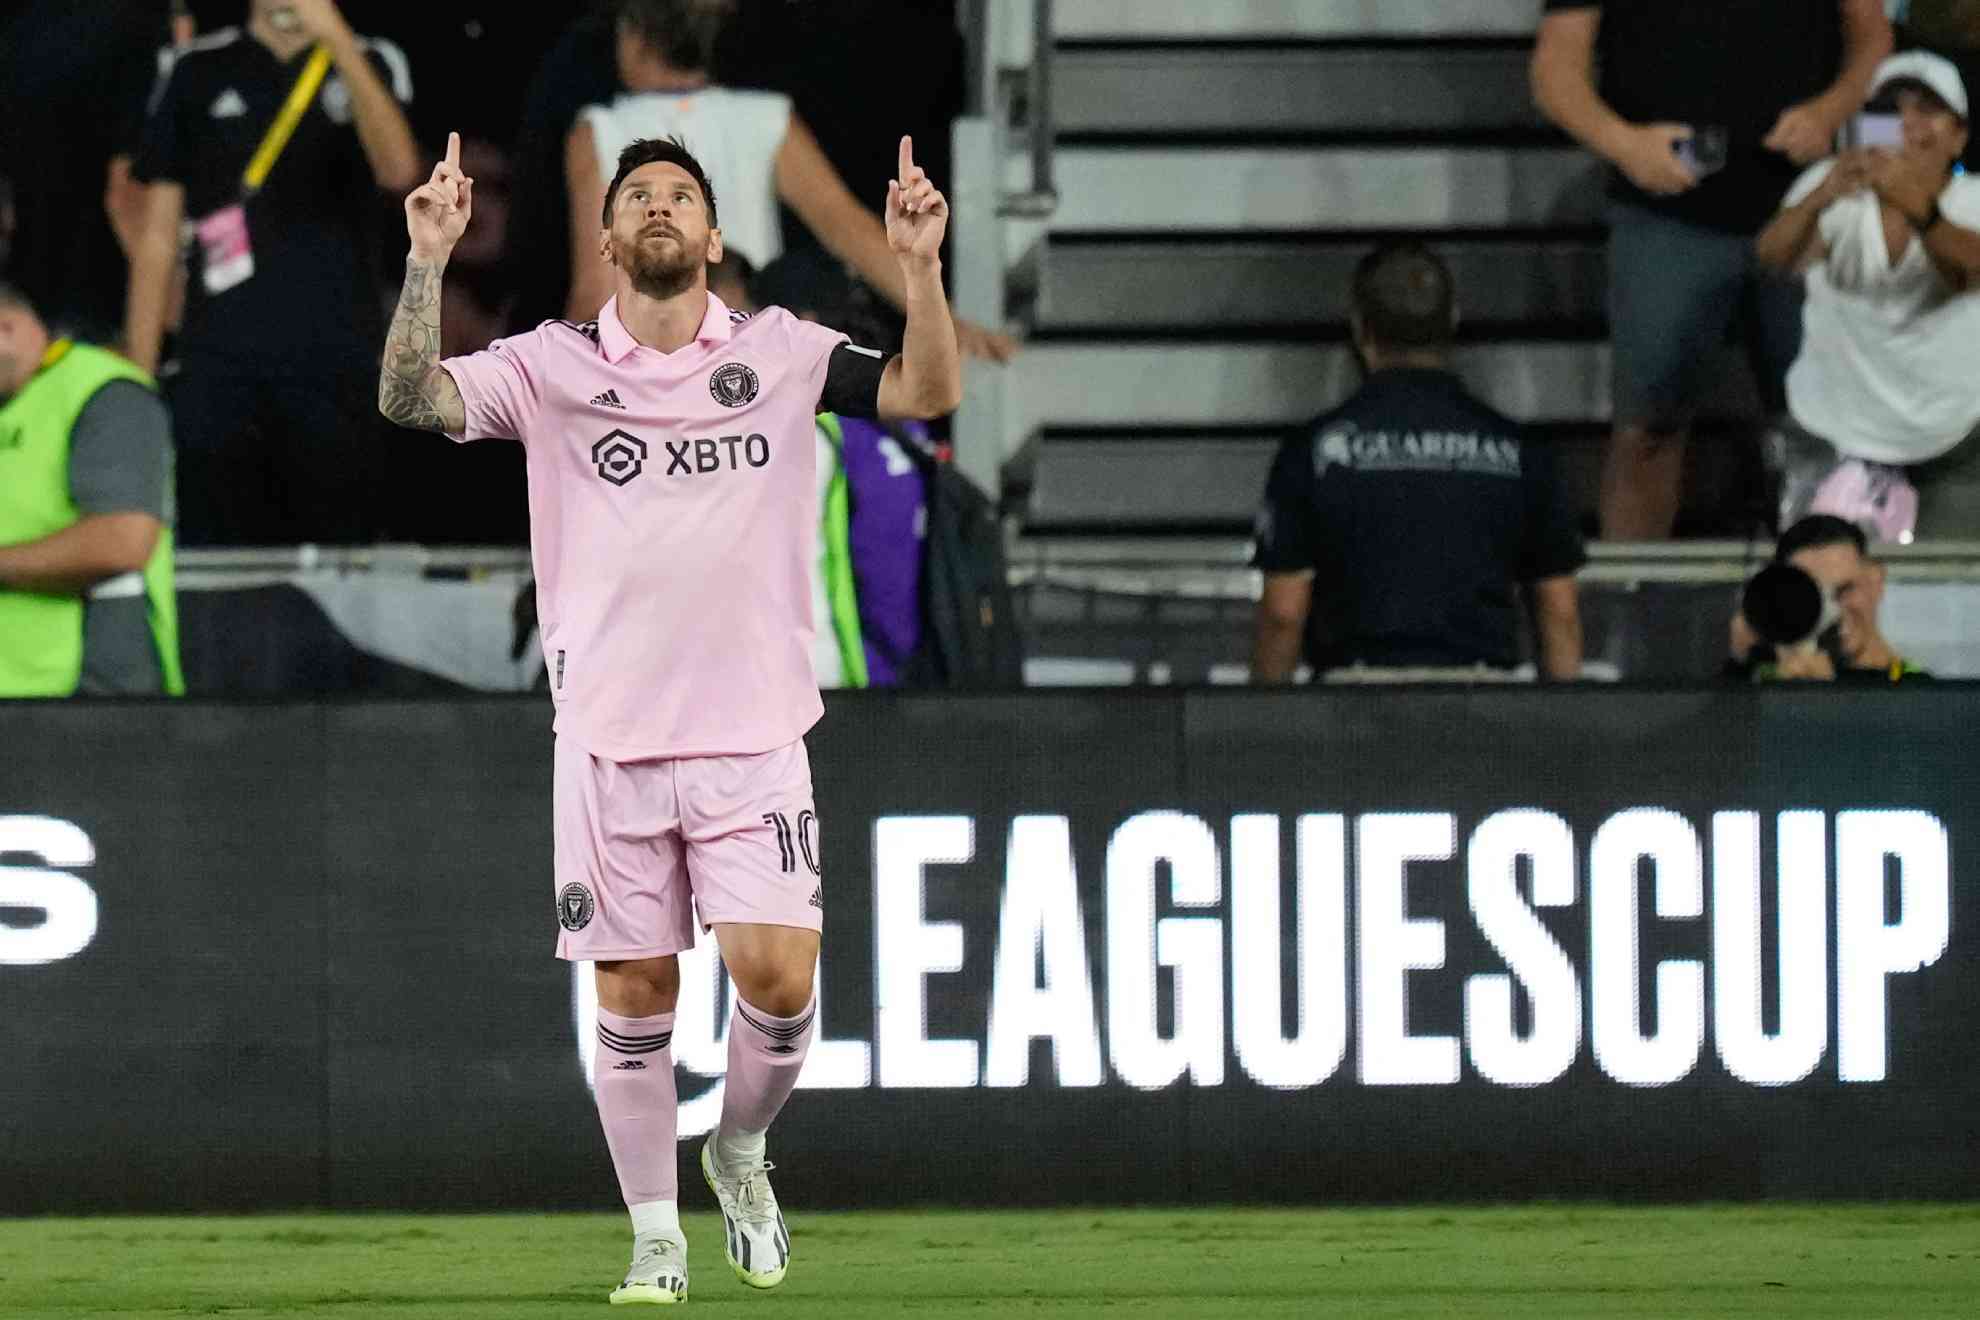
{"x": 1888, "y": 240}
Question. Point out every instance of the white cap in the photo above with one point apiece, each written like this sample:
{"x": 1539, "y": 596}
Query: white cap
{"x": 1920, "y": 66}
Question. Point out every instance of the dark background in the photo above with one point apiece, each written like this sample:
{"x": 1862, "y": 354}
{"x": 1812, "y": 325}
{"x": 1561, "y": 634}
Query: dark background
{"x": 323, "y": 970}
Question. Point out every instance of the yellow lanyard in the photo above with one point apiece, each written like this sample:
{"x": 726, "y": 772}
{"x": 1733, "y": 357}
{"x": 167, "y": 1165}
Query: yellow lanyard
{"x": 285, "y": 123}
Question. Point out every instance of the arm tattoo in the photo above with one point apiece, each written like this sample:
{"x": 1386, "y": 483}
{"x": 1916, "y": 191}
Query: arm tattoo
{"x": 413, "y": 388}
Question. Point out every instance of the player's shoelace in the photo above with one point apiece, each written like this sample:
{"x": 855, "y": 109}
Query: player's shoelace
{"x": 653, "y": 1253}
{"x": 755, "y": 1202}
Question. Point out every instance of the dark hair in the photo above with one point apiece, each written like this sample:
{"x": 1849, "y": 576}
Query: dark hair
{"x": 736, "y": 267}
{"x": 648, "y": 151}
{"x": 681, "y": 32}
{"x": 13, "y": 297}
{"x": 1403, "y": 294}
{"x": 1886, "y": 99}
{"x": 1818, "y": 531}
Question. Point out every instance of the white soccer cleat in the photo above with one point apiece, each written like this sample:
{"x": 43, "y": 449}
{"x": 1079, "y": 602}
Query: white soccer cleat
{"x": 755, "y": 1241}
{"x": 658, "y": 1276}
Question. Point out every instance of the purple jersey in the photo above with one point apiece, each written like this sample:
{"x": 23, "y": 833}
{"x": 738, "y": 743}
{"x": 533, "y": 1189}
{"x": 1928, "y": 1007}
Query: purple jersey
{"x": 888, "y": 524}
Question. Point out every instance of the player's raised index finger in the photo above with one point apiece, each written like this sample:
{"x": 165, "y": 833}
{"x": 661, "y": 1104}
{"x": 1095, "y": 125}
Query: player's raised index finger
{"x": 907, "y": 158}
{"x": 454, "y": 150}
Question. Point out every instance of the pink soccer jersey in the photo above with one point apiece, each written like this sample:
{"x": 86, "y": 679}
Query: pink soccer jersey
{"x": 673, "y": 511}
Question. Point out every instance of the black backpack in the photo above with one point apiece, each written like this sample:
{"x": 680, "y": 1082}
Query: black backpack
{"x": 969, "y": 635}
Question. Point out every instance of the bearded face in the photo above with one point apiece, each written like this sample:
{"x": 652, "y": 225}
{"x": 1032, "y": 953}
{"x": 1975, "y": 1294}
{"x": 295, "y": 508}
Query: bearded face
{"x": 660, "y": 236}
{"x": 657, "y": 260}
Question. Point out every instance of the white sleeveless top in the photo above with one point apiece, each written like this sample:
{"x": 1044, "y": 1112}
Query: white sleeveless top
{"x": 735, "y": 135}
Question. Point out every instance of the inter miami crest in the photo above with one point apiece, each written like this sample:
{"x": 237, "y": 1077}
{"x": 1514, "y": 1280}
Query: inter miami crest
{"x": 574, "y": 907}
{"x": 620, "y": 457}
{"x": 733, "y": 385}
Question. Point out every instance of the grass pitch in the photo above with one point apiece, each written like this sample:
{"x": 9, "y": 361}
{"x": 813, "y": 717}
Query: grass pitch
{"x": 1541, "y": 1261}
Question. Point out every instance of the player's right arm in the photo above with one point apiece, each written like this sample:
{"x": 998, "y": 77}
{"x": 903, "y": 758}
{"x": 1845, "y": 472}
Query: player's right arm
{"x": 413, "y": 388}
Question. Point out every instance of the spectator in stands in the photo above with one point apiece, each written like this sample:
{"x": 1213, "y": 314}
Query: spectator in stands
{"x": 873, "y": 494}
{"x": 1835, "y": 553}
{"x": 757, "y": 151}
{"x": 1397, "y": 529}
{"x": 731, "y": 280}
{"x": 1704, "y": 110}
{"x": 1890, "y": 242}
{"x": 86, "y": 600}
{"x": 275, "y": 401}
{"x": 1943, "y": 24}
{"x": 73, "y": 80}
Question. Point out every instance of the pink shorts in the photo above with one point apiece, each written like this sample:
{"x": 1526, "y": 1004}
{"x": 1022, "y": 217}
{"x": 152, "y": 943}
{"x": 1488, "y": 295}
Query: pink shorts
{"x": 643, "y": 846}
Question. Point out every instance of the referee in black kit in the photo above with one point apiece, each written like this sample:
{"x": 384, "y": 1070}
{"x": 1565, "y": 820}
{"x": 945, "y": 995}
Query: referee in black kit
{"x": 1397, "y": 528}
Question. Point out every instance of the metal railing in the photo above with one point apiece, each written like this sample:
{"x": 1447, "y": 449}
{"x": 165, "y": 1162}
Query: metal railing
{"x": 1015, "y": 98}
{"x": 1035, "y": 83}
{"x": 999, "y": 214}
{"x": 1216, "y": 565}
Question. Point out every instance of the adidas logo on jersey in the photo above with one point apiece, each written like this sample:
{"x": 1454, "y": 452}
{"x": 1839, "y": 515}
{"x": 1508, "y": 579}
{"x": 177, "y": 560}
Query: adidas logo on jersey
{"x": 609, "y": 399}
{"x": 228, "y": 105}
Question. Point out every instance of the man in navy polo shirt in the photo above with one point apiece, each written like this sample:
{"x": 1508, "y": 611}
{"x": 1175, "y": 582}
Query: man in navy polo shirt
{"x": 1398, "y": 529}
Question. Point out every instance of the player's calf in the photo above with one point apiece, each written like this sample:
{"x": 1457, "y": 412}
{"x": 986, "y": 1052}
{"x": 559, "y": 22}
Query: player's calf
{"x": 765, "y": 1054}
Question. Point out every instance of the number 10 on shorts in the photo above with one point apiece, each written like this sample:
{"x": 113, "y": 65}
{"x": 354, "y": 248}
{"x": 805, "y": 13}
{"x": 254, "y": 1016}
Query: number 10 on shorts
{"x": 791, "y": 842}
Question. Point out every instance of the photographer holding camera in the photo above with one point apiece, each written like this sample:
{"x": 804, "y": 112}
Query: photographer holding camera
{"x": 1812, "y": 613}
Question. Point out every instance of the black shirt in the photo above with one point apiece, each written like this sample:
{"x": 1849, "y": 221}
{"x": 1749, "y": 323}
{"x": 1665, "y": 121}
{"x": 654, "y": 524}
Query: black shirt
{"x": 1419, "y": 510}
{"x": 1732, "y": 64}
{"x": 311, "y": 300}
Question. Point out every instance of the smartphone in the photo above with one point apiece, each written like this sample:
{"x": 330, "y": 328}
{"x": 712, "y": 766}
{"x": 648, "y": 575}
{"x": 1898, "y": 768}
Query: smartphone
{"x": 1877, "y": 130}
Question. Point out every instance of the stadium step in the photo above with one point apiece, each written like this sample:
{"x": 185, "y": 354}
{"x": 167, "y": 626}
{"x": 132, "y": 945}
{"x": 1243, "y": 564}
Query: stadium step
{"x": 1136, "y": 479}
{"x": 1112, "y": 189}
{"x": 1511, "y": 284}
{"x": 1188, "y": 296}
{"x": 1195, "y": 20}
{"x": 1245, "y": 90}
{"x": 1167, "y": 483}
{"x": 1215, "y": 383}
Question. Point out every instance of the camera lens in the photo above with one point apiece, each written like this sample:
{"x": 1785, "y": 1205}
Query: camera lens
{"x": 1783, "y": 604}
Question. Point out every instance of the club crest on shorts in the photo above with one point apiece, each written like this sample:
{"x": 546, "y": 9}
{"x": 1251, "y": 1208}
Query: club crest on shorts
{"x": 574, "y": 907}
{"x": 733, "y": 385}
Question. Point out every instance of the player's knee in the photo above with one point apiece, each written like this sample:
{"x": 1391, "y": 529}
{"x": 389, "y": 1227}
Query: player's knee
{"x": 781, "y": 990}
{"x": 644, "y": 987}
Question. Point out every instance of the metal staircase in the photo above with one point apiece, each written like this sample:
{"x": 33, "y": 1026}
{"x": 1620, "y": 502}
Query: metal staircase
{"x": 1170, "y": 196}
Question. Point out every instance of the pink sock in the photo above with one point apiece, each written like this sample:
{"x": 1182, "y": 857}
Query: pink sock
{"x": 765, "y": 1054}
{"x": 633, "y": 1074}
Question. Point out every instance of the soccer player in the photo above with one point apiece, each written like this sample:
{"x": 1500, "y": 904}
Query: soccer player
{"x": 673, "y": 506}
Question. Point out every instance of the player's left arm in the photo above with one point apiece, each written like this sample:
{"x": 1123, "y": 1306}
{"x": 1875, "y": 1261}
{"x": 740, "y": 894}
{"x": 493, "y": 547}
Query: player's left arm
{"x": 925, "y": 381}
